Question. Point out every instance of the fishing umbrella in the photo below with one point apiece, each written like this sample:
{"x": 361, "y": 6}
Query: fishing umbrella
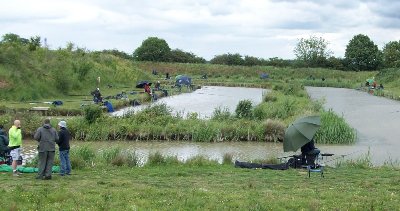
{"x": 183, "y": 79}
{"x": 142, "y": 83}
{"x": 178, "y": 77}
{"x": 370, "y": 80}
{"x": 300, "y": 132}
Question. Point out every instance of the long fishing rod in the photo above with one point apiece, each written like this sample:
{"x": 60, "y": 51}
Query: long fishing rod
{"x": 342, "y": 156}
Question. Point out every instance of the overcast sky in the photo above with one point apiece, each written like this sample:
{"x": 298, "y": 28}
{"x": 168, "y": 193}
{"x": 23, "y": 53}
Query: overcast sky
{"x": 261, "y": 28}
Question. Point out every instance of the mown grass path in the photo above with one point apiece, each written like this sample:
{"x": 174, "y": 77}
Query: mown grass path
{"x": 210, "y": 187}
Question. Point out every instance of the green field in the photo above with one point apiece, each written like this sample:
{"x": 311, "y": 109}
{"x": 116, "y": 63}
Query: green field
{"x": 204, "y": 187}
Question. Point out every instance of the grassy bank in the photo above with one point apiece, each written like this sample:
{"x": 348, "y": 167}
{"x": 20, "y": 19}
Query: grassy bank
{"x": 204, "y": 186}
{"x": 264, "y": 122}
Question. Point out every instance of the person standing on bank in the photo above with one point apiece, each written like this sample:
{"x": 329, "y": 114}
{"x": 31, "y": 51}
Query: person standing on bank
{"x": 47, "y": 137}
{"x": 63, "y": 144}
{"x": 15, "y": 143}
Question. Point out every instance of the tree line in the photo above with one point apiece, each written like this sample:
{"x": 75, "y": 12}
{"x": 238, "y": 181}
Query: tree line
{"x": 361, "y": 54}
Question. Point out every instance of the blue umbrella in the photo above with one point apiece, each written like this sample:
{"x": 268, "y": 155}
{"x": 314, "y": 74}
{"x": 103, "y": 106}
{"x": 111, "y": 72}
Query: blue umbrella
{"x": 183, "y": 79}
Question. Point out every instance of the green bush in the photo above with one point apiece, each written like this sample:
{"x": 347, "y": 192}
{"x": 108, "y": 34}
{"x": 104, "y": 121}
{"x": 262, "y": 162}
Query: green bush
{"x": 271, "y": 97}
{"x": 221, "y": 114}
{"x": 244, "y": 109}
{"x": 92, "y": 113}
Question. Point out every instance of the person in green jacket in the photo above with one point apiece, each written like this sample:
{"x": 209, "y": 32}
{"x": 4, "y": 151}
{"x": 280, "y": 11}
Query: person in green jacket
{"x": 15, "y": 143}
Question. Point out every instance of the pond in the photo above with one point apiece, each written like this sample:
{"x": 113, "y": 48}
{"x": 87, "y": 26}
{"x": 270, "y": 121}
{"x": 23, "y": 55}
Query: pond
{"x": 243, "y": 151}
{"x": 375, "y": 119}
{"x": 205, "y": 100}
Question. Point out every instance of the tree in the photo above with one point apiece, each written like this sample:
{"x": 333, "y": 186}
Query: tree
{"x": 34, "y": 43}
{"x": 278, "y": 62}
{"x": 391, "y": 54}
{"x": 362, "y": 54}
{"x": 228, "y": 59}
{"x": 153, "y": 49}
{"x": 312, "y": 52}
{"x": 335, "y": 63}
{"x": 118, "y": 53}
{"x": 178, "y": 55}
{"x": 11, "y": 38}
{"x": 252, "y": 61}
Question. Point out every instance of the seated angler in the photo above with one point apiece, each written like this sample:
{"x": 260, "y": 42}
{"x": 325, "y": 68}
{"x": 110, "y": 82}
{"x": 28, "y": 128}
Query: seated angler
{"x": 309, "y": 153}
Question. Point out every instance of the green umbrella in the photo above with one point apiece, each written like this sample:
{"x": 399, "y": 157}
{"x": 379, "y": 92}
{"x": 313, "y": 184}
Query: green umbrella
{"x": 300, "y": 132}
{"x": 370, "y": 81}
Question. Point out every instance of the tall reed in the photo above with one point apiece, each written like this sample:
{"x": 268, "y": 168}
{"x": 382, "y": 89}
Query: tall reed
{"x": 334, "y": 130}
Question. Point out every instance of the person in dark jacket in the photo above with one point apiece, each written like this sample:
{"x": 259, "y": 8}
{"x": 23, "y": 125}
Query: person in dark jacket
{"x": 3, "y": 142}
{"x": 63, "y": 144}
{"x": 47, "y": 137}
{"x": 309, "y": 153}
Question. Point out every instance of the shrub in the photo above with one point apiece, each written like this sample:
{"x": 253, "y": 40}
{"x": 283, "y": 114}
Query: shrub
{"x": 92, "y": 113}
{"x": 274, "y": 130}
{"x": 221, "y": 114}
{"x": 243, "y": 109}
{"x": 152, "y": 112}
{"x": 270, "y": 97}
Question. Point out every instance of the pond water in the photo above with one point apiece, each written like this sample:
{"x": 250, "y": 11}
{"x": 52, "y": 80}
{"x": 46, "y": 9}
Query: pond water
{"x": 205, "y": 100}
{"x": 375, "y": 119}
{"x": 244, "y": 151}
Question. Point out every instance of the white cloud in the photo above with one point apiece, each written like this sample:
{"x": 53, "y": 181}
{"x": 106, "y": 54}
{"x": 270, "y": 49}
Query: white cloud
{"x": 205, "y": 27}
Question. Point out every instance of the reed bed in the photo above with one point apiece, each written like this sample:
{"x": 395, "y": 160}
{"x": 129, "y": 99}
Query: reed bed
{"x": 334, "y": 130}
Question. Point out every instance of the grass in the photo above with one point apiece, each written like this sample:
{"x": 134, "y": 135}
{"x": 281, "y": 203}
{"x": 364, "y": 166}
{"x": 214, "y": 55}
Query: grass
{"x": 208, "y": 186}
{"x": 334, "y": 130}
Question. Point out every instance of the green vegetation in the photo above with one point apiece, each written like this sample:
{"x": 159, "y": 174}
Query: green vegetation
{"x": 111, "y": 179}
{"x": 264, "y": 122}
{"x": 390, "y": 79}
{"x": 391, "y": 54}
{"x": 312, "y": 52}
{"x": 41, "y": 74}
{"x": 363, "y": 54}
{"x": 70, "y": 74}
{"x": 165, "y": 183}
{"x": 334, "y": 130}
{"x": 158, "y": 50}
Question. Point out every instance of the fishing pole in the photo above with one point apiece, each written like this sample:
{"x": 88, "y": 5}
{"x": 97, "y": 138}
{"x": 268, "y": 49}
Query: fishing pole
{"x": 342, "y": 156}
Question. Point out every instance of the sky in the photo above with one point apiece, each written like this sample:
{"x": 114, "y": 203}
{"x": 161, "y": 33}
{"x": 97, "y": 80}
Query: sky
{"x": 260, "y": 28}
